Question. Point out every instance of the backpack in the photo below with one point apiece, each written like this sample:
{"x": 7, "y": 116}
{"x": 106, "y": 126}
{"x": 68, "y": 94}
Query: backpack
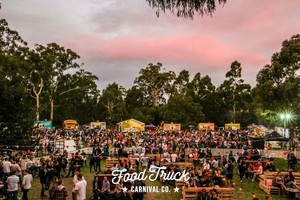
{"x": 51, "y": 192}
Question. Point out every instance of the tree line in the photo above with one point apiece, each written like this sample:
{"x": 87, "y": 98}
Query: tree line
{"x": 47, "y": 82}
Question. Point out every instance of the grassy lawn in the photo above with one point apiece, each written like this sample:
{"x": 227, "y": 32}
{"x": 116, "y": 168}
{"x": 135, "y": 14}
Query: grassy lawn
{"x": 248, "y": 187}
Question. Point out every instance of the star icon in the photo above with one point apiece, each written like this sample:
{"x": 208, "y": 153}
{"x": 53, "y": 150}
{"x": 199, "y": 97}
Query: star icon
{"x": 124, "y": 189}
{"x": 176, "y": 189}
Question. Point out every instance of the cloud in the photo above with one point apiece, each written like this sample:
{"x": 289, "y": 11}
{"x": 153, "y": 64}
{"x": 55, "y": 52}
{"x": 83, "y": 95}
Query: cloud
{"x": 118, "y": 37}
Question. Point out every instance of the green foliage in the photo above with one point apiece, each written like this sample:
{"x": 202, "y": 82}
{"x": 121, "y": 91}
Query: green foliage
{"x": 182, "y": 109}
{"x": 47, "y": 82}
{"x": 154, "y": 83}
{"x": 185, "y": 8}
{"x": 278, "y": 83}
{"x": 112, "y": 104}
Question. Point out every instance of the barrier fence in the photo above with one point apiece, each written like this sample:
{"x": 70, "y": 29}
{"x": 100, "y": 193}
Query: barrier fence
{"x": 216, "y": 151}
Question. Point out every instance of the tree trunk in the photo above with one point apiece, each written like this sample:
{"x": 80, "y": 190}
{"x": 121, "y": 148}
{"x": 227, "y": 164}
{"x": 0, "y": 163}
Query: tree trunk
{"x": 37, "y": 97}
{"x": 37, "y": 113}
{"x": 233, "y": 113}
{"x": 51, "y": 108}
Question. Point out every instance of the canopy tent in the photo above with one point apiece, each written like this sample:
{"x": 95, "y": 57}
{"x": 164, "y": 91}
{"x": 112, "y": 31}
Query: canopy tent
{"x": 150, "y": 127}
{"x": 275, "y": 136}
{"x": 131, "y": 125}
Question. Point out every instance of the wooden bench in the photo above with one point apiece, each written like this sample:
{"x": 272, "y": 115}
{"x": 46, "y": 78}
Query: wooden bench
{"x": 181, "y": 165}
{"x": 180, "y": 183}
{"x": 263, "y": 162}
{"x": 265, "y": 181}
{"x": 192, "y": 192}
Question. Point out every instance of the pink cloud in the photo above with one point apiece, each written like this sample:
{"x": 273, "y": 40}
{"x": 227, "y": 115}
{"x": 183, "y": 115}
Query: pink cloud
{"x": 192, "y": 48}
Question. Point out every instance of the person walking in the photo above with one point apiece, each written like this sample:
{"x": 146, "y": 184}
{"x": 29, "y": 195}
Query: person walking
{"x": 12, "y": 186}
{"x": 26, "y": 184}
{"x": 60, "y": 192}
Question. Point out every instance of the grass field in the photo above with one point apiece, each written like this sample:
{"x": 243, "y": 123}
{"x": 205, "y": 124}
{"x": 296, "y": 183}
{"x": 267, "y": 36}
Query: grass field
{"x": 248, "y": 187}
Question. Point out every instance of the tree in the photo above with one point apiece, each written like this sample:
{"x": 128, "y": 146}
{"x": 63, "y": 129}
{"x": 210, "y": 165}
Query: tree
{"x": 57, "y": 60}
{"x": 278, "y": 83}
{"x": 180, "y": 83}
{"x": 154, "y": 83}
{"x": 112, "y": 103}
{"x": 15, "y": 105}
{"x": 202, "y": 91}
{"x": 35, "y": 71}
{"x": 182, "y": 109}
{"x": 185, "y": 8}
{"x": 236, "y": 92}
{"x": 77, "y": 95}
{"x": 200, "y": 87}
{"x": 11, "y": 43}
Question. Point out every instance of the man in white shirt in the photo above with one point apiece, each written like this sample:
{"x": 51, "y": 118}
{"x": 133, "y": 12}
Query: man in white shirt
{"x": 206, "y": 166}
{"x": 26, "y": 184}
{"x": 12, "y": 186}
{"x": 215, "y": 164}
{"x": 6, "y": 167}
{"x": 145, "y": 161}
{"x": 173, "y": 157}
{"x": 75, "y": 181}
{"x": 80, "y": 188}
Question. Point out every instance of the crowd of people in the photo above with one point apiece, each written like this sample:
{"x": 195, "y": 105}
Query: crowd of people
{"x": 19, "y": 169}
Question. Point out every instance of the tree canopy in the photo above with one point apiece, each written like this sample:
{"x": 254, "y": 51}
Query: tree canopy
{"x": 37, "y": 83}
{"x": 185, "y": 8}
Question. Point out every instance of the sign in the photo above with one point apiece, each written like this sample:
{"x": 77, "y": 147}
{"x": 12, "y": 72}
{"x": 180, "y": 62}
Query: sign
{"x": 61, "y": 145}
{"x": 98, "y": 125}
{"x": 43, "y": 125}
{"x": 155, "y": 174}
{"x": 206, "y": 126}
{"x": 172, "y": 127}
{"x": 232, "y": 126}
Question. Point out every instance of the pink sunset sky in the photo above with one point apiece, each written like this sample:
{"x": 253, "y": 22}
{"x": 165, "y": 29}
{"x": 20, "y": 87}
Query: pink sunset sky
{"x": 117, "y": 38}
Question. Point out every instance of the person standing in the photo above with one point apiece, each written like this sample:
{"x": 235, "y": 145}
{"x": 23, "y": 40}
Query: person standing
{"x": 60, "y": 192}
{"x": 43, "y": 178}
{"x": 6, "y": 164}
{"x": 292, "y": 161}
{"x": 98, "y": 163}
{"x": 92, "y": 163}
{"x": 229, "y": 173}
{"x": 16, "y": 167}
{"x": 80, "y": 188}
{"x": 242, "y": 169}
{"x": 12, "y": 186}
{"x": 75, "y": 181}
{"x": 26, "y": 184}
{"x": 138, "y": 195}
